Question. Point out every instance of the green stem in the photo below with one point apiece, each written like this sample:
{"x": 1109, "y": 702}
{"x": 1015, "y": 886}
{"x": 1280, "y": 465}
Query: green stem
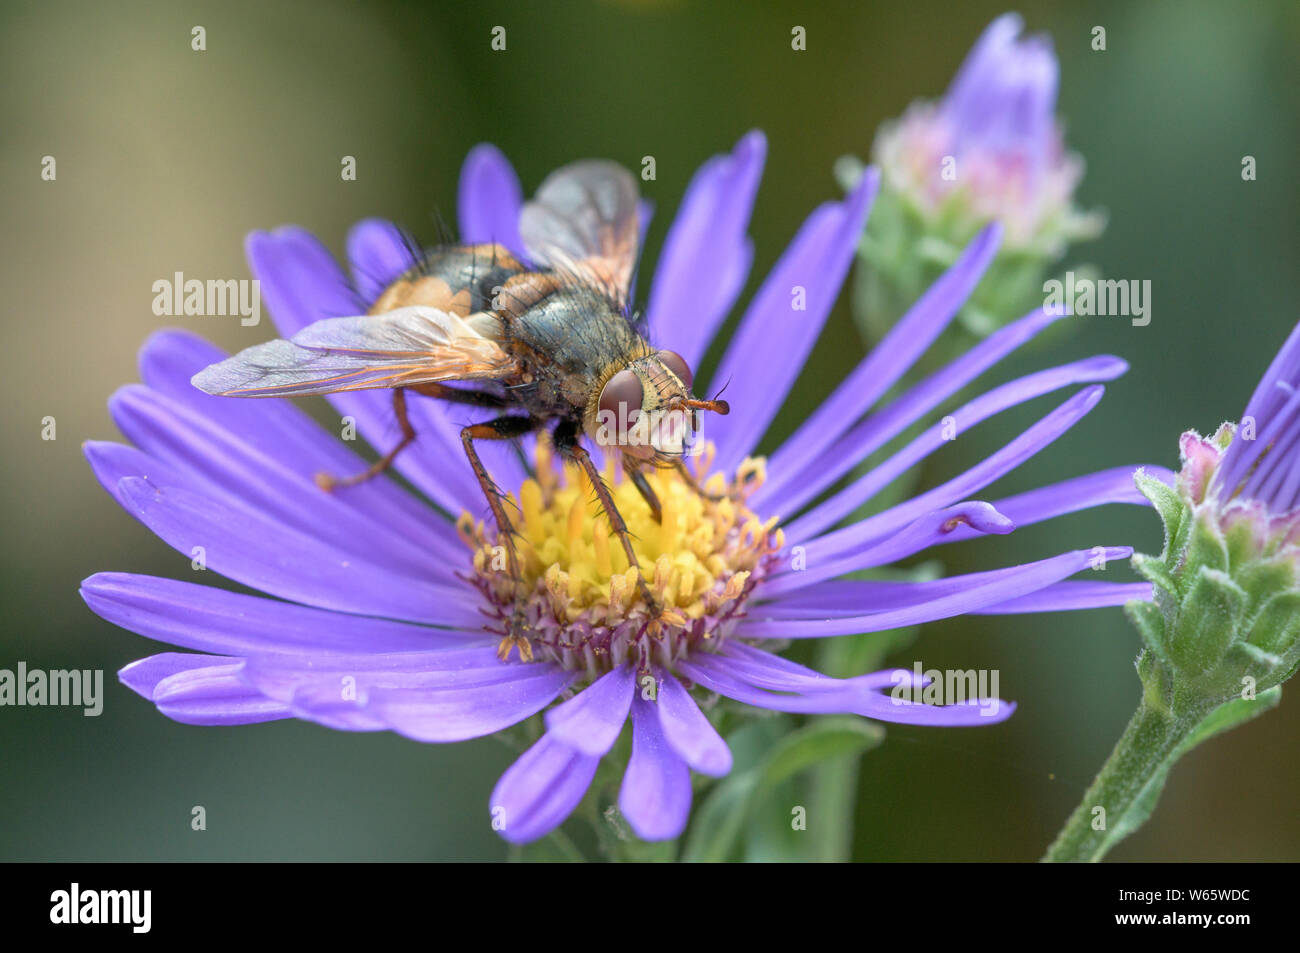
{"x": 835, "y": 797}
{"x": 1128, "y": 785}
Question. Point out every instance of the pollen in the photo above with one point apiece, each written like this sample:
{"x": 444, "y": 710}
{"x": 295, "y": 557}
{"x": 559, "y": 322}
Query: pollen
{"x": 580, "y": 596}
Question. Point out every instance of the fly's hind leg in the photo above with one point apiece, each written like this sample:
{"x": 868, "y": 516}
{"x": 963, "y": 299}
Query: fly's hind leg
{"x": 476, "y": 398}
{"x": 503, "y": 428}
{"x": 327, "y": 481}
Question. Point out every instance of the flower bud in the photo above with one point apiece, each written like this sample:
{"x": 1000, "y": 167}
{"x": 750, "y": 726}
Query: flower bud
{"x": 1226, "y": 612}
{"x": 990, "y": 150}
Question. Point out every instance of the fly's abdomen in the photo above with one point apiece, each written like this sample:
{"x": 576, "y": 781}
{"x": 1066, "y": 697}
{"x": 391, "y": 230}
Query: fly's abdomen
{"x": 461, "y": 279}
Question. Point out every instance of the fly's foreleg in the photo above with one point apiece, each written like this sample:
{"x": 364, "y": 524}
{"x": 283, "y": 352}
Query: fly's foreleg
{"x": 694, "y": 484}
{"x": 633, "y": 471}
{"x": 566, "y": 442}
{"x": 503, "y": 428}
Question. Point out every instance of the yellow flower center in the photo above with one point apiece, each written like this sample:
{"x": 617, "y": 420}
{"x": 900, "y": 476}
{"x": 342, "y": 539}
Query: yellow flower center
{"x": 579, "y": 593}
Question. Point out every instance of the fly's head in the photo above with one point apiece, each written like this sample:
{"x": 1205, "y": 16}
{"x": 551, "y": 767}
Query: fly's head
{"x": 645, "y": 409}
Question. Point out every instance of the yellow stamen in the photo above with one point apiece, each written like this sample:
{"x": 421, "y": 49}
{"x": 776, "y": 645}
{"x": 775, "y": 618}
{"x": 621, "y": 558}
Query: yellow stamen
{"x": 580, "y": 594}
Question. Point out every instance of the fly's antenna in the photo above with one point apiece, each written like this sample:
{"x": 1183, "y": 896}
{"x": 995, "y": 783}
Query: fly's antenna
{"x": 717, "y": 406}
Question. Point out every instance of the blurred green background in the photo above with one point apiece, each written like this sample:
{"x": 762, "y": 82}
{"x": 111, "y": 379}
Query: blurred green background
{"x": 167, "y": 157}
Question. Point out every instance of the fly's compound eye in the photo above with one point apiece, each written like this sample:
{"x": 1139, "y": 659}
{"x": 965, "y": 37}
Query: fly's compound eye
{"x": 677, "y": 364}
{"x": 620, "y": 404}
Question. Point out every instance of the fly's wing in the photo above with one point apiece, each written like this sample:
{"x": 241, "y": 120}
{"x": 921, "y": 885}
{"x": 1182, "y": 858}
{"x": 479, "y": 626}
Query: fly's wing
{"x": 415, "y": 345}
{"x": 584, "y": 220}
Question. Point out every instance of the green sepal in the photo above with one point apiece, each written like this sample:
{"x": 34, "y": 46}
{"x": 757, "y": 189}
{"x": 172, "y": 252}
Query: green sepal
{"x": 1221, "y": 634}
{"x": 1266, "y": 581}
{"x": 1259, "y": 664}
{"x": 1208, "y": 619}
{"x": 1150, "y": 623}
{"x": 1206, "y": 549}
{"x": 1157, "y": 573}
{"x": 1170, "y": 506}
{"x": 1243, "y": 547}
{"x": 1276, "y": 628}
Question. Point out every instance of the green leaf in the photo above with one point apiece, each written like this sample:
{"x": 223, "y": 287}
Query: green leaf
{"x": 554, "y": 848}
{"x": 715, "y": 832}
{"x": 723, "y": 819}
{"x": 829, "y": 737}
{"x": 1230, "y": 715}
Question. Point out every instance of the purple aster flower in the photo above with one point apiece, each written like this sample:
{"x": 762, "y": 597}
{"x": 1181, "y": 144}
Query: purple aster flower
{"x": 383, "y": 612}
{"x": 1262, "y": 467}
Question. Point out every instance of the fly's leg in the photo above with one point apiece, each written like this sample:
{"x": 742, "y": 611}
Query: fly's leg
{"x": 327, "y": 481}
{"x": 633, "y": 470}
{"x": 566, "y": 442}
{"x": 694, "y": 484}
{"x": 503, "y": 428}
{"x": 459, "y": 395}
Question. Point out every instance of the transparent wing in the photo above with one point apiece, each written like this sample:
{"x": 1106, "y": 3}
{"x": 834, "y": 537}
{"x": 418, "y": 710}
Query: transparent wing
{"x": 415, "y": 345}
{"x": 584, "y": 220}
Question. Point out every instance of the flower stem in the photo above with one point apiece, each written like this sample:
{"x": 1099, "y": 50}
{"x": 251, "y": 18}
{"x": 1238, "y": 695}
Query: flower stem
{"x": 1127, "y": 786}
{"x": 835, "y": 797}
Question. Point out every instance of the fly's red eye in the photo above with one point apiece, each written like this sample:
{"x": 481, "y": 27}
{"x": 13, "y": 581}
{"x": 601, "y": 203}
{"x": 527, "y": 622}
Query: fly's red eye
{"x": 677, "y": 364}
{"x": 622, "y": 395}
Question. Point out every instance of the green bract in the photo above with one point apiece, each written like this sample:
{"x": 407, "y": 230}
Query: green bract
{"x": 1220, "y": 635}
{"x": 1225, "y": 620}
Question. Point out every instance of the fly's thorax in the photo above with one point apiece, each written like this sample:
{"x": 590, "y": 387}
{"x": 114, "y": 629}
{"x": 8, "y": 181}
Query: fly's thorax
{"x": 568, "y": 339}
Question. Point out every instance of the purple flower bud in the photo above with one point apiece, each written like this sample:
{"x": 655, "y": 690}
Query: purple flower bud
{"x": 992, "y": 148}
